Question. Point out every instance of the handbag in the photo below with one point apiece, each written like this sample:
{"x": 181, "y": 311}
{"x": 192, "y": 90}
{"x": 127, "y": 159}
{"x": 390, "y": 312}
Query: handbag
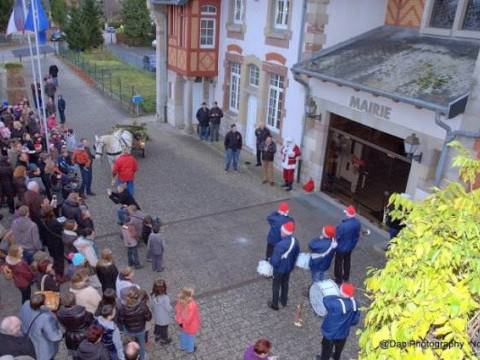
{"x": 52, "y": 298}
{"x": 7, "y": 272}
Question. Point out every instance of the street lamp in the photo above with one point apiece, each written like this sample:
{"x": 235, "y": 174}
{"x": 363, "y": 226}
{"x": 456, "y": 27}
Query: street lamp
{"x": 311, "y": 109}
{"x": 411, "y": 144}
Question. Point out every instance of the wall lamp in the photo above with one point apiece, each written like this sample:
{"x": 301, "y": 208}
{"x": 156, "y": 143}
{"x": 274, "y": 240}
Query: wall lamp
{"x": 311, "y": 109}
{"x": 411, "y": 144}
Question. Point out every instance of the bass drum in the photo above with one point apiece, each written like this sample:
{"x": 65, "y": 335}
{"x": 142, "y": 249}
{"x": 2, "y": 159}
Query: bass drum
{"x": 318, "y": 291}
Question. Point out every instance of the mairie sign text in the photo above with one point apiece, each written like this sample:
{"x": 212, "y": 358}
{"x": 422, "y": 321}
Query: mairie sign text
{"x": 380, "y": 111}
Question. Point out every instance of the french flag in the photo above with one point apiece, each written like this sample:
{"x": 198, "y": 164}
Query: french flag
{"x": 16, "y": 23}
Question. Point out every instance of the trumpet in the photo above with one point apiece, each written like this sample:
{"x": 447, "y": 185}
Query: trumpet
{"x": 298, "y": 316}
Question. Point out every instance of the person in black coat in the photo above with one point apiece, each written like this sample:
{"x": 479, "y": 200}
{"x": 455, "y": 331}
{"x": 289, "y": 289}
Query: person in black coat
{"x": 61, "y": 106}
{"x": 107, "y": 272}
{"x": 233, "y": 145}
{"x": 203, "y": 118}
{"x": 261, "y": 134}
{"x": 12, "y": 341}
{"x": 216, "y": 115}
{"x": 7, "y": 188}
{"x": 51, "y": 234}
{"x": 125, "y": 199}
{"x": 75, "y": 319}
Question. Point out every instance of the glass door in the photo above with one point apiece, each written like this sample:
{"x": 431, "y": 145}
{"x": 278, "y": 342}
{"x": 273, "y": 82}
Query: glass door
{"x": 363, "y": 173}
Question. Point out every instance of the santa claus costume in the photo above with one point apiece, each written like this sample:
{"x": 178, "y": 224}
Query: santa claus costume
{"x": 290, "y": 154}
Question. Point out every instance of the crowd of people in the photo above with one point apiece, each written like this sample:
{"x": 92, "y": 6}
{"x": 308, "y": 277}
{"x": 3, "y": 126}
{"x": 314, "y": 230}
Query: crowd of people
{"x": 71, "y": 290}
{"x": 79, "y": 295}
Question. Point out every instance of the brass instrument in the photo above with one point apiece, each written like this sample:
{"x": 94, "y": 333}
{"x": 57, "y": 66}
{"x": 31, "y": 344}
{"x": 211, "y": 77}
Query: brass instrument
{"x": 298, "y": 316}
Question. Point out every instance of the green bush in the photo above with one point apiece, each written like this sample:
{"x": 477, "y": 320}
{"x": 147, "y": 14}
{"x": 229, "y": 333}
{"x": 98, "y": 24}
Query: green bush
{"x": 14, "y": 65}
{"x": 429, "y": 288}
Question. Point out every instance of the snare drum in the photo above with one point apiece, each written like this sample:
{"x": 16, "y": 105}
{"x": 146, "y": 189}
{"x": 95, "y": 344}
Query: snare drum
{"x": 303, "y": 261}
{"x": 264, "y": 268}
{"x": 318, "y": 291}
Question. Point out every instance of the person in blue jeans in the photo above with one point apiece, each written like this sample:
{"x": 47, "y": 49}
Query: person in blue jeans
{"x": 233, "y": 146}
{"x": 203, "y": 118}
{"x": 133, "y": 315}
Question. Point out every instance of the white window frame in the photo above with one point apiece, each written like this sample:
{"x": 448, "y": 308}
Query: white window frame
{"x": 234, "y": 91}
{"x": 456, "y": 29}
{"x": 275, "y": 102}
{"x": 238, "y": 12}
{"x": 208, "y": 10}
{"x": 253, "y": 74}
{"x": 284, "y": 14}
{"x": 205, "y": 37}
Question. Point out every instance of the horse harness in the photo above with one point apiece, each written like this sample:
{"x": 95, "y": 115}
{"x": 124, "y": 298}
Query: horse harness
{"x": 123, "y": 145}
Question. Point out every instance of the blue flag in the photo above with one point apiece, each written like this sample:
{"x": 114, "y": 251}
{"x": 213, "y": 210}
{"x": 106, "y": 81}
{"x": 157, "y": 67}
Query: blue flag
{"x": 42, "y": 21}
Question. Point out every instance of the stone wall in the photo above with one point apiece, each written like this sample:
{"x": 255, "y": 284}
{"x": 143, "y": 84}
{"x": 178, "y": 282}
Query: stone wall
{"x": 15, "y": 82}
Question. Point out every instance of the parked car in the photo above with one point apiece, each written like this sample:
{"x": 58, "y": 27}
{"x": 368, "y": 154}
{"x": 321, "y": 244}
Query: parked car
{"x": 57, "y": 36}
{"x": 110, "y": 30}
{"x": 150, "y": 63}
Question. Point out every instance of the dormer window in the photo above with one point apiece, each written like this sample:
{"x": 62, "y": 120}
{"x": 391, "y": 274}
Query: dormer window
{"x": 452, "y": 18}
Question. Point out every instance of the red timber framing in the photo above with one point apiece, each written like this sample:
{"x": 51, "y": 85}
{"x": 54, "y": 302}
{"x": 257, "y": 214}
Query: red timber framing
{"x": 186, "y": 55}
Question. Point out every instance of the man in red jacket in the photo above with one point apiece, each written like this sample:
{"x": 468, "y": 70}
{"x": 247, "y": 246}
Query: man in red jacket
{"x": 124, "y": 169}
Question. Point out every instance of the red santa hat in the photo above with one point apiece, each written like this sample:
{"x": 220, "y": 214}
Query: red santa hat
{"x": 283, "y": 208}
{"x": 288, "y": 228}
{"x": 350, "y": 211}
{"x": 347, "y": 290}
{"x": 329, "y": 231}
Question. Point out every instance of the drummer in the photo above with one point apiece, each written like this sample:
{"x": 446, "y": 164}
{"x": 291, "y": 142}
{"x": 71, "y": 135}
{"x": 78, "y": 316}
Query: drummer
{"x": 276, "y": 220}
{"x": 323, "y": 251}
{"x": 342, "y": 314}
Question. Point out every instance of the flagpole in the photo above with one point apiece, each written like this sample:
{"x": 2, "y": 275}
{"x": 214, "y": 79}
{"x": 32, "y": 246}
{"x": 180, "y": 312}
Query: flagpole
{"x": 32, "y": 60}
{"x": 35, "y": 27}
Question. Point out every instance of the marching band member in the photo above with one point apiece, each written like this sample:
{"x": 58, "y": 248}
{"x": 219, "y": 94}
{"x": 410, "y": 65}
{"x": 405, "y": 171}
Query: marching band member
{"x": 276, "y": 219}
{"x": 323, "y": 251}
{"x": 283, "y": 260}
{"x": 342, "y": 314}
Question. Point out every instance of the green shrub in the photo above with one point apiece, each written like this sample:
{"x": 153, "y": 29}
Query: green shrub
{"x": 429, "y": 288}
{"x": 14, "y": 65}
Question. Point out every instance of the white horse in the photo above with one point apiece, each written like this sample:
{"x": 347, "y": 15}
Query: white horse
{"x": 113, "y": 145}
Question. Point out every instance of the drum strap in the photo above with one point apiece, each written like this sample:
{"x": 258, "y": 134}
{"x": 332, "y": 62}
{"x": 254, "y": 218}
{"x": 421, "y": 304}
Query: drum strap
{"x": 292, "y": 243}
{"x": 320, "y": 255}
{"x": 344, "y": 308}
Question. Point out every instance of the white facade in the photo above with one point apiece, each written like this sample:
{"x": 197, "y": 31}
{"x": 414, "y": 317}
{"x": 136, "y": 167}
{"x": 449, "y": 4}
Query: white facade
{"x": 347, "y": 18}
{"x": 254, "y": 46}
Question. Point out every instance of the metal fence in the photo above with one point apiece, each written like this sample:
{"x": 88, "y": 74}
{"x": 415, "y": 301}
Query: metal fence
{"x": 106, "y": 81}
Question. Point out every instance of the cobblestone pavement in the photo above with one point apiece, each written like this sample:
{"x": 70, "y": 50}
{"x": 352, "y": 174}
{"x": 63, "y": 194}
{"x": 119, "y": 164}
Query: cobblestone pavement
{"x": 215, "y": 236}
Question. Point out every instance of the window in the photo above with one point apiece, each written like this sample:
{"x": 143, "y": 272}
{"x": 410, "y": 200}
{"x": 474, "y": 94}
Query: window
{"x": 275, "y": 101}
{"x": 281, "y": 14}
{"x": 443, "y": 14}
{"x": 238, "y": 12}
{"x": 471, "y": 20}
{"x": 253, "y": 75}
{"x": 454, "y": 17}
{"x": 207, "y": 33}
{"x": 208, "y": 10}
{"x": 234, "y": 87}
